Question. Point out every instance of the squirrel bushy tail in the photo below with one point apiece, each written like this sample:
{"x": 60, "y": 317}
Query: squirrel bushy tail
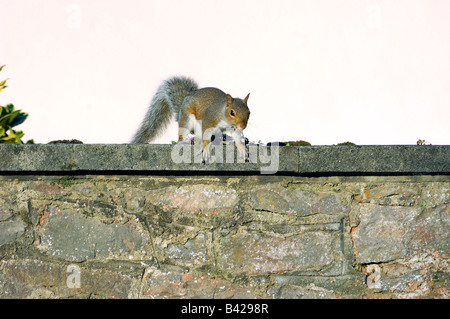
{"x": 166, "y": 102}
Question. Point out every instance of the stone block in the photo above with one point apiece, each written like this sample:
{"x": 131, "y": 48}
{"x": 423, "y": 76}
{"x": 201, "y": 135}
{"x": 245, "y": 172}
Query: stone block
{"x": 172, "y": 284}
{"x": 68, "y": 235}
{"x": 11, "y": 230}
{"x": 4, "y": 215}
{"x": 348, "y": 286}
{"x": 310, "y": 291}
{"x": 206, "y": 198}
{"x": 260, "y": 253}
{"x": 37, "y": 279}
{"x": 298, "y": 202}
{"x": 386, "y": 233}
{"x": 193, "y": 252}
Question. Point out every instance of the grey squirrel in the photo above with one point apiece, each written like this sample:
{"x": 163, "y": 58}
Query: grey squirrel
{"x": 208, "y": 110}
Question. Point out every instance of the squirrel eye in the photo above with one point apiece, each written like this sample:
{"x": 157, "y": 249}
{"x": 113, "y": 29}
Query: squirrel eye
{"x": 232, "y": 113}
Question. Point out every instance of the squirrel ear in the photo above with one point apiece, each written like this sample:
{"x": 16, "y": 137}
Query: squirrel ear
{"x": 246, "y": 98}
{"x": 229, "y": 100}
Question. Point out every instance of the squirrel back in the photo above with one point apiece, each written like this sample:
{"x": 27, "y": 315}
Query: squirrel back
{"x": 166, "y": 102}
{"x": 213, "y": 106}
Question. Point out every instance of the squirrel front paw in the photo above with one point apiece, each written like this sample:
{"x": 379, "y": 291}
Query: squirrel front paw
{"x": 206, "y": 153}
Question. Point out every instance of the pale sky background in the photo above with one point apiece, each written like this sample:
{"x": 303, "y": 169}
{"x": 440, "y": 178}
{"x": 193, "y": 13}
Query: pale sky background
{"x": 325, "y": 71}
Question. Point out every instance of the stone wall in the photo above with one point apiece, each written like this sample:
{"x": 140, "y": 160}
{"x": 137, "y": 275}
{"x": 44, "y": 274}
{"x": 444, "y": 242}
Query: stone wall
{"x": 125, "y": 231}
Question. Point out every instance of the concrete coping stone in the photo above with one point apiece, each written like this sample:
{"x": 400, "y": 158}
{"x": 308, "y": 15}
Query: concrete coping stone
{"x": 165, "y": 159}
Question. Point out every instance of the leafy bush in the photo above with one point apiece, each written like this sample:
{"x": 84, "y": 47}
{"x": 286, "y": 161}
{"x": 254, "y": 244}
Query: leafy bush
{"x": 9, "y": 118}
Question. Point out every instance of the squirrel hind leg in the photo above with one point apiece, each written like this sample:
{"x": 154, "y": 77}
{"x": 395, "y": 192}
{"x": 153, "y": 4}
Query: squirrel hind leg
{"x": 187, "y": 125}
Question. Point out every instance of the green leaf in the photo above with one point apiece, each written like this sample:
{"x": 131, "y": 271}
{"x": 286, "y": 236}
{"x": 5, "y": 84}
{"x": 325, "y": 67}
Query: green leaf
{"x": 5, "y": 120}
{"x": 18, "y": 119}
{"x": 13, "y": 115}
{"x": 9, "y": 118}
{"x": 14, "y": 137}
{"x": 9, "y": 139}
